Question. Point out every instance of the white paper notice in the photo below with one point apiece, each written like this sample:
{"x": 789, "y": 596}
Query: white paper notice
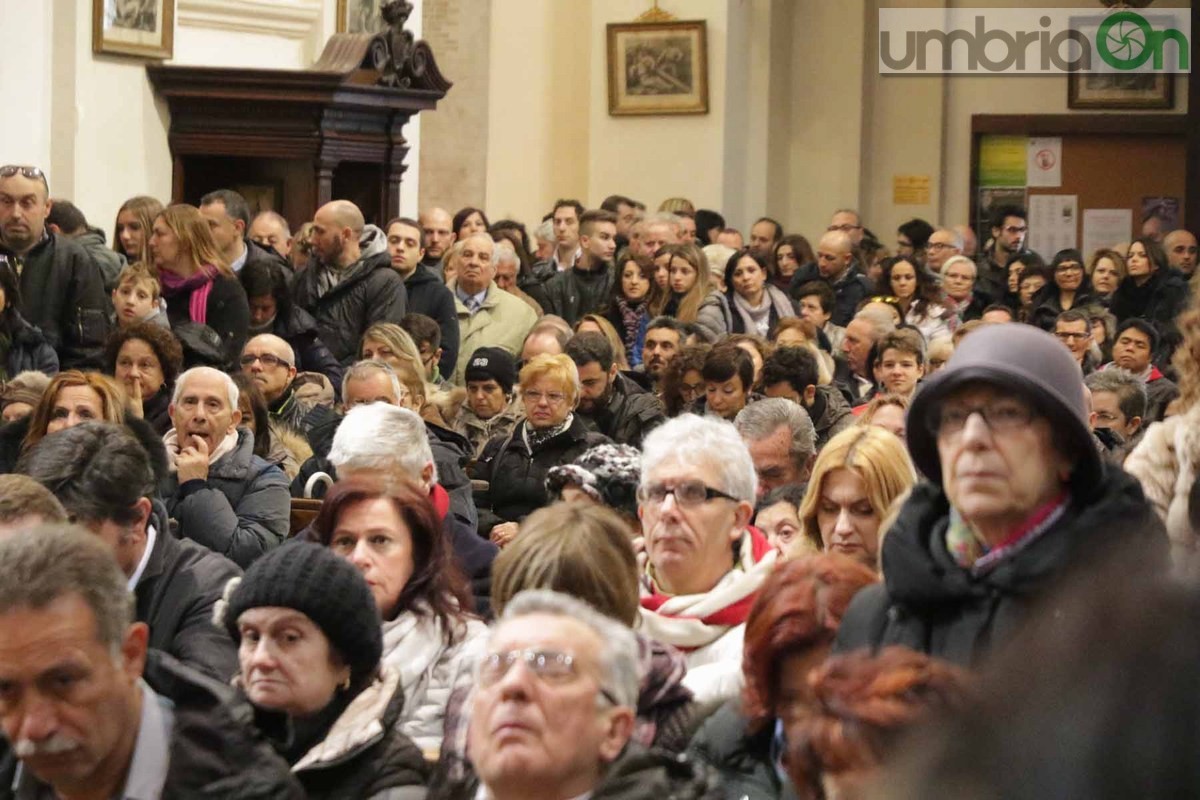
{"x": 1044, "y": 162}
{"x": 1105, "y": 227}
{"x": 1053, "y": 223}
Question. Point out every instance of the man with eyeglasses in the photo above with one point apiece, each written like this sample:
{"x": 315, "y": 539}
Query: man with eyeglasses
{"x": 1074, "y": 330}
{"x": 705, "y": 563}
{"x": 847, "y": 221}
{"x": 1017, "y": 500}
{"x": 943, "y": 245}
{"x": 1009, "y": 232}
{"x": 270, "y": 362}
{"x": 554, "y": 708}
{"x": 62, "y": 289}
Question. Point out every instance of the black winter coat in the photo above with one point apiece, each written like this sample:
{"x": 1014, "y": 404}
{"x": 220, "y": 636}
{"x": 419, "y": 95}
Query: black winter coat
{"x": 241, "y": 511}
{"x": 175, "y": 597}
{"x": 62, "y": 294}
{"x": 227, "y": 313}
{"x": 631, "y": 413}
{"x": 517, "y": 477}
{"x": 1158, "y": 301}
{"x": 848, "y": 292}
{"x": 930, "y": 604}
{"x": 28, "y": 348}
{"x": 742, "y": 759}
{"x": 300, "y": 331}
{"x": 1047, "y": 304}
{"x": 428, "y": 295}
{"x": 369, "y": 291}
{"x": 573, "y": 293}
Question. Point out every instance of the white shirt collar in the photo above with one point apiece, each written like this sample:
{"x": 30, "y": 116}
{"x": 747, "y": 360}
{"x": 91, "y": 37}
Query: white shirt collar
{"x": 151, "y": 535}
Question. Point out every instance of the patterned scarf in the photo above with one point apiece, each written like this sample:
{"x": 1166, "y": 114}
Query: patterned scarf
{"x": 970, "y": 553}
{"x": 200, "y": 284}
{"x": 536, "y": 437}
{"x": 631, "y": 319}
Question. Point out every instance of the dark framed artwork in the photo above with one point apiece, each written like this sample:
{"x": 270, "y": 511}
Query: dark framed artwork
{"x": 144, "y": 28}
{"x": 1091, "y": 90}
{"x": 359, "y": 16}
{"x": 658, "y": 68}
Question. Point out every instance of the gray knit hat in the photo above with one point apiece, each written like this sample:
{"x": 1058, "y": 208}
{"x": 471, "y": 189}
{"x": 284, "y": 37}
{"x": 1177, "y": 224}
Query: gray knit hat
{"x": 325, "y": 588}
{"x": 1013, "y": 356}
{"x": 608, "y": 473}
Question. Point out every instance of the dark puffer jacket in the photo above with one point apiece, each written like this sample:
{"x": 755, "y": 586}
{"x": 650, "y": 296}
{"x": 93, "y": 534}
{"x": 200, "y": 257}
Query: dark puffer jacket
{"x": 1158, "y": 301}
{"x": 62, "y": 294}
{"x": 574, "y": 292}
{"x": 28, "y": 348}
{"x": 428, "y": 295}
{"x": 241, "y": 511}
{"x": 516, "y": 476}
{"x": 742, "y": 759}
{"x": 930, "y": 604}
{"x": 366, "y": 292}
{"x": 631, "y": 413}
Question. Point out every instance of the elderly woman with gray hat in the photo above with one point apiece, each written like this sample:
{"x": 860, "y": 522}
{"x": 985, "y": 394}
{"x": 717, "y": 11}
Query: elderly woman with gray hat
{"x": 1017, "y": 497}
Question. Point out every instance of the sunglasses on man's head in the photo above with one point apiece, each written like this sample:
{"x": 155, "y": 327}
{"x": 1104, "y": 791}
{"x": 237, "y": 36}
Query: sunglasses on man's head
{"x": 33, "y": 173}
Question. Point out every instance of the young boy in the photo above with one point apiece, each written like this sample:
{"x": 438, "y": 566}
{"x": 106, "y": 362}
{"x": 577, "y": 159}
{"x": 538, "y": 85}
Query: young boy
{"x": 136, "y": 298}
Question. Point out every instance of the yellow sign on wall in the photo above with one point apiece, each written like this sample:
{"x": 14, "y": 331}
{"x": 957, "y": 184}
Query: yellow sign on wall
{"x": 910, "y": 190}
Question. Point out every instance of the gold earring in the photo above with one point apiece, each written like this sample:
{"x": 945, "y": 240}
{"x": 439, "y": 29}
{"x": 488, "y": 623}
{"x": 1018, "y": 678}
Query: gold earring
{"x": 345, "y": 684}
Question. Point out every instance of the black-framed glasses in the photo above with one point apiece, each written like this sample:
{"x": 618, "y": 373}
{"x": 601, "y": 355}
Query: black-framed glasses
{"x": 937, "y": 246}
{"x": 1001, "y": 415}
{"x": 267, "y": 360}
{"x": 845, "y": 228}
{"x": 1072, "y": 336}
{"x": 551, "y": 667}
{"x": 32, "y": 173}
{"x": 686, "y": 493}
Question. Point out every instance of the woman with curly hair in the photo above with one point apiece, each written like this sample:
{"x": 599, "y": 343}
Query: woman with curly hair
{"x": 924, "y": 305}
{"x": 146, "y": 359}
{"x": 790, "y": 630}
{"x": 683, "y": 379}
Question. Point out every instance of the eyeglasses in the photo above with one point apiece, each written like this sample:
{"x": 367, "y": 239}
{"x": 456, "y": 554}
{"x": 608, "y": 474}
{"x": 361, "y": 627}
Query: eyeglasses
{"x": 551, "y": 667}
{"x": 940, "y": 246}
{"x": 267, "y": 360}
{"x": 1071, "y": 336}
{"x": 844, "y": 228}
{"x": 533, "y": 397}
{"x": 33, "y": 173}
{"x": 686, "y": 493}
{"x": 1001, "y": 416}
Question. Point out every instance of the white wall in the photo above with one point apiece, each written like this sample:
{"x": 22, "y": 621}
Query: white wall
{"x": 25, "y": 81}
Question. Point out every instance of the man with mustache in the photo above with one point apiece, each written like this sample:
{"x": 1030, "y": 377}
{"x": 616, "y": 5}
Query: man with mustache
{"x": 62, "y": 289}
{"x": 664, "y": 337}
{"x": 705, "y": 563}
{"x": 88, "y": 711}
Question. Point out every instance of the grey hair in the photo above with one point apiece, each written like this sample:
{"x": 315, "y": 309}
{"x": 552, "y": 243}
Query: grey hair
{"x": 364, "y": 369}
{"x": 664, "y": 218}
{"x": 505, "y": 253}
{"x": 759, "y": 420}
{"x": 231, "y": 388}
{"x": 958, "y": 239}
{"x": 1129, "y": 389}
{"x": 383, "y": 437}
{"x": 545, "y": 231}
{"x": 854, "y": 211}
{"x": 952, "y": 260}
{"x": 277, "y": 218}
{"x": 618, "y": 653}
{"x": 690, "y": 439}
{"x": 881, "y": 321}
{"x": 41, "y": 565}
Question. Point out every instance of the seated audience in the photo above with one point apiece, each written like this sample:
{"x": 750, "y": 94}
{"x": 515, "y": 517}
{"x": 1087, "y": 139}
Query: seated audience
{"x": 704, "y": 563}
{"x": 274, "y": 442}
{"x": 815, "y": 302}
{"x": 597, "y": 323}
{"x": 887, "y": 411}
{"x": 900, "y": 362}
{"x": 777, "y": 515}
{"x": 220, "y": 493}
{"x": 492, "y": 408}
{"x": 1118, "y": 411}
{"x": 1071, "y": 290}
{"x": 757, "y": 304}
{"x": 923, "y": 303}
{"x": 1152, "y": 291}
{"x": 690, "y": 295}
{"x": 728, "y": 374}
{"x": 1106, "y": 270}
{"x": 487, "y": 316}
{"x": 855, "y": 480}
{"x": 71, "y": 398}
{"x": 613, "y": 404}
{"x": 781, "y": 441}
{"x": 792, "y": 373}
{"x": 21, "y": 394}
{"x": 309, "y": 648}
{"x": 630, "y": 301}
{"x": 105, "y": 480}
{"x": 605, "y": 475}
{"x": 145, "y": 359}
{"x": 121, "y": 720}
{"x": 1134, "y": 345}
{"x": 789, "y": 632}
{"x": 682, "y": 385}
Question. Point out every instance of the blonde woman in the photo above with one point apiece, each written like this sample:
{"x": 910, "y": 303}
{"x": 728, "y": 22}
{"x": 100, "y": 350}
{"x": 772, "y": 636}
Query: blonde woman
{"x": 692, "y": 297}
{"x": 196, "y": 280}
{"x": 131, "y": 231}
{"x": 597, "y": 323}
{"x": 857, "y": 477}
{"x": 72, "y": 398}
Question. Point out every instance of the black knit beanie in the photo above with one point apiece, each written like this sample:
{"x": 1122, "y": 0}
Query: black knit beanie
{"x": 324, "y": 587}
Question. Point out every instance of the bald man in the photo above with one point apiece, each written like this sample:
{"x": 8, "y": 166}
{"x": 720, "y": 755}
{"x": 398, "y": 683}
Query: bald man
{"x": 437, "y": 226}
{"x": 351, "y": 284}
{"x": 1181, "y": 251}
{"x": 271, "y": 230}
{"x": 836, "y": 266}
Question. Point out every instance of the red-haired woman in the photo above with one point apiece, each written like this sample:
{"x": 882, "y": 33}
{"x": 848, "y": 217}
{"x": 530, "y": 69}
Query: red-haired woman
{"x": 392, "y": 534}
{"x": 859, "y": 705}
{"x": 790, "y": 631}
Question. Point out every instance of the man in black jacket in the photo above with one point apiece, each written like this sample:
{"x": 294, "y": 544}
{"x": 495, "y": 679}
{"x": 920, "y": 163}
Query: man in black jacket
{"x": 585, "y": 287}
{"x": 352, "y": 284}
{"x": 62, "y": 289}
{"x": 90, "y": 710}
{"x": 102, "y": 475}
{"x": 427, "y": 294}
{"x": 618, "y": 407}
{"x": 228, "y": 219}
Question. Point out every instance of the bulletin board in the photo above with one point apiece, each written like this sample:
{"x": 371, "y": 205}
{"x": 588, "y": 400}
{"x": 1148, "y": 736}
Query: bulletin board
{"x": 1108, "y": 161}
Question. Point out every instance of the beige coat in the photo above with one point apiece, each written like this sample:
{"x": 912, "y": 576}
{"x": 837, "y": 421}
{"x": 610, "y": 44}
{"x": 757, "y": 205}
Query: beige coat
{"x": 1165, "y": 462}
{"x": 503, "y": 321}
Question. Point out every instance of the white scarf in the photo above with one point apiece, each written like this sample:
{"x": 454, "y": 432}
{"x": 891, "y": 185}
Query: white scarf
{"x": 171, "y": 443}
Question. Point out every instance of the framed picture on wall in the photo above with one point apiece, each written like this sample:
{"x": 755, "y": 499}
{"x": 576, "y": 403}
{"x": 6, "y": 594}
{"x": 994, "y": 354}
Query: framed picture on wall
{"x": 1120, "y": 90}
{"x": 143, "y": 28}
{"x": 657, "y": 68}
{"x": 359, "y": 16}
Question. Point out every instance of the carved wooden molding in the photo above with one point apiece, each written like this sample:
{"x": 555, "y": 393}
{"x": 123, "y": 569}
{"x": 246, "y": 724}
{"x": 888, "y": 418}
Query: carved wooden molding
{"x": 291, "y": 19}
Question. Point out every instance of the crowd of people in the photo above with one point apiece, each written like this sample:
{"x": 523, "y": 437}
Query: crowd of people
{"x": 626, "y": 505}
